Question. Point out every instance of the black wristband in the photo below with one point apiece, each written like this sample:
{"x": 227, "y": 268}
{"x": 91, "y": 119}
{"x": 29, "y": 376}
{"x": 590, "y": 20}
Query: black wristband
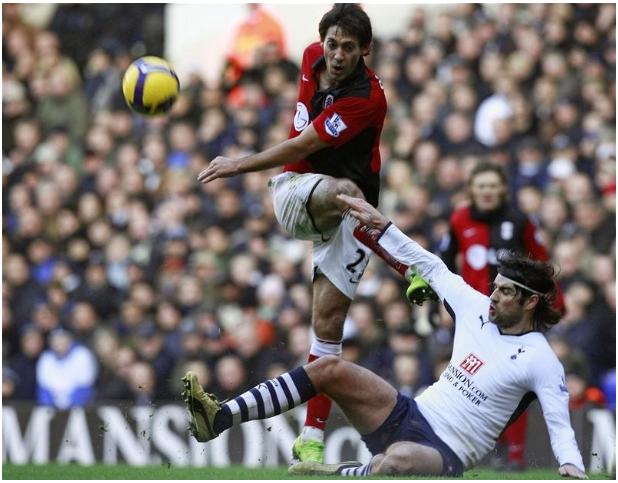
{"x": 384, "y": 230}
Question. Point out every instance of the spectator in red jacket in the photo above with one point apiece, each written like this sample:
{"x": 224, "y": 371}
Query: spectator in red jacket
{"x": 489, "y": 224}
{"x": 477, "y": 232}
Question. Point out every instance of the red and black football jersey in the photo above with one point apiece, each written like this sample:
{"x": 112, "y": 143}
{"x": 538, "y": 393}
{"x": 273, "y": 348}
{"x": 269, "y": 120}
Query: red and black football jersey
{"x": 478, "y": 237}
{"x": 348, "y": 117}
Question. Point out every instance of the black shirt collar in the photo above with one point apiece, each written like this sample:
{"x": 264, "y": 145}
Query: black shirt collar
{"x": 488, "y": 216}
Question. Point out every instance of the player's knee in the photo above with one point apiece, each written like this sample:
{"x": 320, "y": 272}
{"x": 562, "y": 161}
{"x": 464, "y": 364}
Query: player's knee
{"x": 402, "y": 459}
{"x": 326, "y": 372}
{"x": 350, "y": 188}
{"x": 329, "y": 363}
{"x": 324, "y": 206}
{"x": 376, "y": 462}
{"x": 393, "y": 465}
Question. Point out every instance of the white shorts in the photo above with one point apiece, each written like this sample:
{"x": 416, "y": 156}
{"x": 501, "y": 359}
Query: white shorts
{"x": 336, "y": 253}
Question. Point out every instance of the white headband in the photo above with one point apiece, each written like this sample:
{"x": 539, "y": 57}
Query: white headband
{"x": 523, "y": 286}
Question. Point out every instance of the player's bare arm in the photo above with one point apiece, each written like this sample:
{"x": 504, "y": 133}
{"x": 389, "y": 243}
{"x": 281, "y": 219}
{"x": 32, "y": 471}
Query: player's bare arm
{"x": 288, "y": 151}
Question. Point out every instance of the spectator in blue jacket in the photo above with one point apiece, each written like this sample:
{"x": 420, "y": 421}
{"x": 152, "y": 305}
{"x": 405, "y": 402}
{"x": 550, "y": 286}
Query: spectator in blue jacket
{"x": 66, "y": 372}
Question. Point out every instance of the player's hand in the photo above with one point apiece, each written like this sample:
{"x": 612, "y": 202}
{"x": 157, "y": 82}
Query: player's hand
{"x": 220, "y": 167}
{"x": 572, "y": 471}
{"x": 366, "y": 214}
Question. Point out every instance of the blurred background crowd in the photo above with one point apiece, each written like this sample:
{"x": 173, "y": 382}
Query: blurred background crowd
{"x": 121, "y": 271}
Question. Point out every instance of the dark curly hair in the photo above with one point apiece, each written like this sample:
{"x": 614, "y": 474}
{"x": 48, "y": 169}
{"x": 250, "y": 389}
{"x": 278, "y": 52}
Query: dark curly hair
{"x": 350, "y": 18}
{"x": 537, "y": 275}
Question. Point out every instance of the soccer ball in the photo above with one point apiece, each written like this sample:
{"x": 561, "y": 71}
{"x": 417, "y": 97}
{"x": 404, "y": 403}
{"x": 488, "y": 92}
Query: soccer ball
{"x": 150, "y": 86}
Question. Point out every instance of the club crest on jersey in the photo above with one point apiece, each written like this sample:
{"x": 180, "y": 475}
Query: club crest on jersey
{"x": 521, "y": 350}
{"x": 301, "y": 117}
{"x": 328, "y": 101}
{"x": 334, "y": 125}
{"x": 471, "y": 364}
{"x": 506, "y": 230}
{"x": 476, "y": 256}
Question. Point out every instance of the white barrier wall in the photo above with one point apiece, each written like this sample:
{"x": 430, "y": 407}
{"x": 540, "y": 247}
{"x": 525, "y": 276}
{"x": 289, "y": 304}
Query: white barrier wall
{"x": 143, "y": 435}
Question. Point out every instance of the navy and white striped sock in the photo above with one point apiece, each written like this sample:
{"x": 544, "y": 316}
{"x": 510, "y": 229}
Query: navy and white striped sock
{"x": 267, "y": 399}
{"x": 364, "y": 470}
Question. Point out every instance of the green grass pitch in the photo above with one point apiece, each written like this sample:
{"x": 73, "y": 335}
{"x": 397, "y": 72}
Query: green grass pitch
{"x": 170, "y": 472}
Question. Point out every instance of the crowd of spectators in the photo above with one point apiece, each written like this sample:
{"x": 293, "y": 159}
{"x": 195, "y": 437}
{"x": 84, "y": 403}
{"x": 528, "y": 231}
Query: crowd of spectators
{"x": 111, "y": 246}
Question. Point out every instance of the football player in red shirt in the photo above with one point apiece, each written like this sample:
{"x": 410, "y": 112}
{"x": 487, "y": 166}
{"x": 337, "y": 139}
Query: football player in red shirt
{"x": 333, "y": 148}
{"x": 488, "y": 224}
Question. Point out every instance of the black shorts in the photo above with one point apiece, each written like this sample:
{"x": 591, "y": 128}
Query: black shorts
{"x": 406, "y": 423}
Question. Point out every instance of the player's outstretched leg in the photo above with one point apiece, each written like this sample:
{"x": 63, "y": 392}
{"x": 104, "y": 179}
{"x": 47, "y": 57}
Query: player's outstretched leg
{"x": 209, "y": 417}
{"x": 403, "y": 458}
{"x": 329, "y": 311}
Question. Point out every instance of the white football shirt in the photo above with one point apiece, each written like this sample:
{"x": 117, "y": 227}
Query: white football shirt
{"x": 489, "y": 373}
